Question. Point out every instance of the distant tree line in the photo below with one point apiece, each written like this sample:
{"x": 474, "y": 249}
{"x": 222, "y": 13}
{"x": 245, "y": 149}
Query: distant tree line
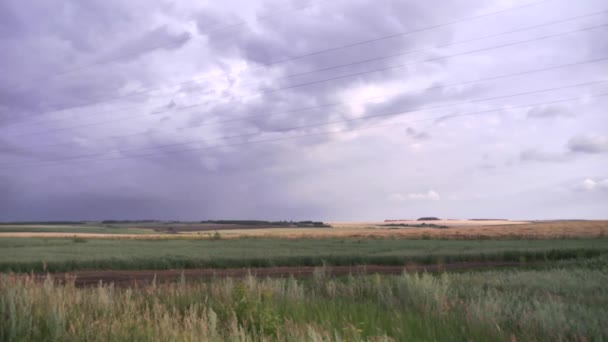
{"x": 270, "y": 223}
{"x": 42, "y": 222}
{"x": 128, "y": 221}
{"x": 236, "y": 222}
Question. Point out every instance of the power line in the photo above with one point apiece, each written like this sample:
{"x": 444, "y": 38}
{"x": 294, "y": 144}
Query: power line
{"x": 402, "y": 34}
{"x": 335, "y": 104}
{"x": 288, "y": 129}
{"x": 168, "y": 45}
{"x": 242, "y": 23}
{"x": 339, "y": 77}
{"x": 320, "y": 133}
{"x": 373, "y": 40}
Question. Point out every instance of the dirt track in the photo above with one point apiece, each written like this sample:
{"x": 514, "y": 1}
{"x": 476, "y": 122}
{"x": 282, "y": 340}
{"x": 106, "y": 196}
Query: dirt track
{"x": 143, "y": 277}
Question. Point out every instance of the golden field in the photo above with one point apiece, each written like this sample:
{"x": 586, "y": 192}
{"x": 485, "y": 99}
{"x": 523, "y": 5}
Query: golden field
{"x": 457, "y": 229}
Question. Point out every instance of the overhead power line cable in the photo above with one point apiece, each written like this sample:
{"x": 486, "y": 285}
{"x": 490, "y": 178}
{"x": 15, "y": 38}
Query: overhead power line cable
{"x": 335, "y": 104}
{"x": 367, "y": 72}
{"x": 209, "y": 32}
{"x": 368, "y": 41}
{"x": 289, "y": 129}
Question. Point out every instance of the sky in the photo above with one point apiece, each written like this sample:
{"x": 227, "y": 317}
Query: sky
{"x": 296, "y": 110}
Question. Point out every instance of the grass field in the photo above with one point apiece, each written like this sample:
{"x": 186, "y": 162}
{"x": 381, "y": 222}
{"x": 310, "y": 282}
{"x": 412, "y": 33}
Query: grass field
{"x": 37, "y": 254}
{"x": 459, "y": 230}
{"x": 73, "y": 229}
{"x": 560, "y": 295}
{"x": 569, "y": 302}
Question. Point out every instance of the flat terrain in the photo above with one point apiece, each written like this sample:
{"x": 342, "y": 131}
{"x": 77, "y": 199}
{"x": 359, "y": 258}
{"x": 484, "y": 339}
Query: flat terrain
{"x": 482, "y": 281}
{"x": 459, "y": 230}
{"x": 567, "y": 301}
{"x": 38, "y": 254}
{"x": 128, "y": 278}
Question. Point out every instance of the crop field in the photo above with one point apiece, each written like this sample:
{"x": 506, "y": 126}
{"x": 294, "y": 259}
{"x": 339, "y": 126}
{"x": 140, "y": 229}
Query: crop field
{"x": 457, "y": 229}
{"x": 347, "y": 282}
{"x": 39, "y": 254}
{"x": 568, "y": 301}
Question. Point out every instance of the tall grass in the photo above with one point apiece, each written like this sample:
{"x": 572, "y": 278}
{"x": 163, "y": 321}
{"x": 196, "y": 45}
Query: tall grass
{"x": 551, "y": 304}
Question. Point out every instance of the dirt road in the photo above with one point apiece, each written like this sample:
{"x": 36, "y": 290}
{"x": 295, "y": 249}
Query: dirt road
{"x": 143, "y": 277}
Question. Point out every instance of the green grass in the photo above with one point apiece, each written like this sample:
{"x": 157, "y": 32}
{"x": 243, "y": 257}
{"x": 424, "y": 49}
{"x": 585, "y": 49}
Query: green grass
{"x": 38, "y": 254}
{"x": 73, "y": 229}
{"x": 565, "y": 302}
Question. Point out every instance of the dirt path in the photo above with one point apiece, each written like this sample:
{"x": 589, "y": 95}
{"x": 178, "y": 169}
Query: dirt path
{"x": 143, "y": 277}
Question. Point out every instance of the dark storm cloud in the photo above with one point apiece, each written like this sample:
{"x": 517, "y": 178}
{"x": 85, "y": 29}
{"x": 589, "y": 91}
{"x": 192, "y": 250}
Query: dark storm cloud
{"x": 10, "y": 148}
{"x": 158, "y": 38}
{"x": 339, "y": 23}
{"x": 62, "y": 55}
{"x": 277, "y": 39}
{"x": 199, "y": 155}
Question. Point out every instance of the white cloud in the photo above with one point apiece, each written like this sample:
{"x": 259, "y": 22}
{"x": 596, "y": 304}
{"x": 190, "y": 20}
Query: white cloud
{"x": 589, "y": 184}
{"x": 396, "y": 197}
{"x": 430, "y": 195}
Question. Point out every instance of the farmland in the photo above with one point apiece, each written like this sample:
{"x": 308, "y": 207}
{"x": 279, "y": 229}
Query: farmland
{"x": 351, "y": 281}
{"x": 57, "y": 254}
{"x": 568, "y": 301}
{"x": 458, "y": 229}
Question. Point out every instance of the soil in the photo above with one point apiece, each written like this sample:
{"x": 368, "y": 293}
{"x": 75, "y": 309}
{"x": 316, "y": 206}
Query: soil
{"x": 127, "y": 278}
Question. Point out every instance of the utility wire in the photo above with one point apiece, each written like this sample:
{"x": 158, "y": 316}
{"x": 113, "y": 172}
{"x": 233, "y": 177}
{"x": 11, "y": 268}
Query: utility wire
{"x": 288, "y": 129}
{"x": 394, "y": 67}
{"x": 359, "y": 43}
{"x": 170, "y": 44}
{"x": 242, "y": 23}
{"x": 318, "y": 134}
{"x": 339, "y": 66}
{"x": 335, "y": 104}
{"x": 402, "y": 34}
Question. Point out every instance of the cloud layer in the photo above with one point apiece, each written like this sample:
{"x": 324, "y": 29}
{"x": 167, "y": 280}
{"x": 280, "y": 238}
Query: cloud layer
{"x": 340, "y": 110}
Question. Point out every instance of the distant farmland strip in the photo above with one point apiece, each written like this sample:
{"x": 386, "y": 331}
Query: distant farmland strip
{"x": 59, "y": 255}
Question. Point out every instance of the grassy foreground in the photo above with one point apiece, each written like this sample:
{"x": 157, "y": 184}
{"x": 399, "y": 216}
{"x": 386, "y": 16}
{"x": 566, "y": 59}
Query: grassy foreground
{"x": 565, "y": 303}
{"x": 56, "y": 255}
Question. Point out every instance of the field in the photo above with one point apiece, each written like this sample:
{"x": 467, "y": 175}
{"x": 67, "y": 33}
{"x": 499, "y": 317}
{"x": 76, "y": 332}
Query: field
{"x": 475, "y": 280}
{"x": 36, "y": 254}
{"x": 566, "y": 302}
{"x": 457, "y": 229}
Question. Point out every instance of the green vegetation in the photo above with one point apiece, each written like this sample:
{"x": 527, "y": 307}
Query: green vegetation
{"x": 55, "y": 254}
{"x": 569, "y": 302}
{"x": 97, "y": 229}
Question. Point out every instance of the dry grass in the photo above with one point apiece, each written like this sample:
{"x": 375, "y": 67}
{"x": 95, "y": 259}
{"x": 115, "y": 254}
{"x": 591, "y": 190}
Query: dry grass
{"x": 536, "y": 230}
{"x": 539, "y": 230}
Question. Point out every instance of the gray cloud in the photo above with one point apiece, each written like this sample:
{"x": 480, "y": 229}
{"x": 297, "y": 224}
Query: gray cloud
{"x": 588, "y": 144}
{"x": 416, "y": 134}
{"x": 549, "y": 112}
{"x": 534, "y": 155}
{"x": 155, "y": 39}
{"x": 190, "y": 147}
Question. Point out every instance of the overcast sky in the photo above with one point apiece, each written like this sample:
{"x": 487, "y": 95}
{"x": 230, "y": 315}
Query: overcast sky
{"x": 328, "y": 110}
